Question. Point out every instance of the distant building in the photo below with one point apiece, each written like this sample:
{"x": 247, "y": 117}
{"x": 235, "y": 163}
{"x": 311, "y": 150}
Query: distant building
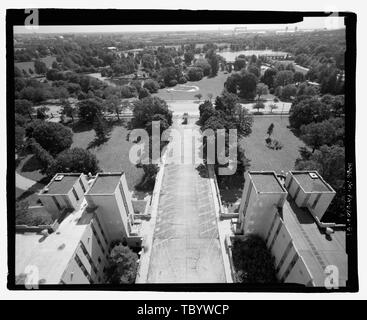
{"x": 78, "y": 251}
{"x": 289, "y": 223}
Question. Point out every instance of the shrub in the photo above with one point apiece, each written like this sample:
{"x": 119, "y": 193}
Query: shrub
{"x": 253, "y": 261}
{"x": 274, "y": 144}
{"x": 123, "y": 265}
{"x": 172, "y": 83}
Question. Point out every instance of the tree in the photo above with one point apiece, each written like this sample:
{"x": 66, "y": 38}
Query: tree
{"x": 283, "y": 78}
{"x": 151, "y": 85}
{"x": 261, "y": 89}
{"x": 210, "y": 96}
{"x": 239, "y": 64}
{"x": 298, "y": 77}
{"x": 147, "y": 182}
{"x": 272, "y": 107}
{"x": 19, "y": 138}
{"x": 254, "y": 70}
{"x": 123, "y": 265}
{"x": 268, "y": 77}
{"x": 288, "y": 91}
{"x": 188, "y": 57}
{"x": 206, "y": 110}
{"x": 53, "y": 137}
{"x": 247, "y": 85}
{"x": 89, "y": 109}
{"x": 101, "y": 129}
{"x": 195, "y": 74}
{"x": 205, "y": 66}
{"x": 143, "y": 93}
{"x": 199, "y": 96}
{"x": 328, "y": 132}
{"x": 74, "y": 160}
{"x": 68, "y": 109}
{"x": 270, "y": 130}
{"x": 253, "y": 261}
{"x": 23, "y": 107}
{"x": 40, "y": 67}
{"x": 258, "y": 105}
{"x": 146, "y": 109}
{"x": 213, "y": 61}
{"x": 305, "y": 111}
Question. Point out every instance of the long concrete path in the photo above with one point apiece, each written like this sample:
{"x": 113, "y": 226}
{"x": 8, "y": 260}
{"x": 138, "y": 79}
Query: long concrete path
{"x": 186, "y": 247}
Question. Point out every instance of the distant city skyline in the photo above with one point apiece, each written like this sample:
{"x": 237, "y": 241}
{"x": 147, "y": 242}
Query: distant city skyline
{"x": 333, "y": 22}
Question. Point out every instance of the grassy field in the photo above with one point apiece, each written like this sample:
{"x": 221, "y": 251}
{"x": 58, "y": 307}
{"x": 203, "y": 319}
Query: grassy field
{"x": 113, "y": 155}
{"x": 206, "y": 85}
{"x": 263, "y": 158}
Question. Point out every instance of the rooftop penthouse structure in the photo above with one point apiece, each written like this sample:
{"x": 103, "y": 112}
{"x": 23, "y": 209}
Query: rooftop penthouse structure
{"x": 288, "y": 218}
{"x": 65, "y": 190}
{"x": 78, "y": 251}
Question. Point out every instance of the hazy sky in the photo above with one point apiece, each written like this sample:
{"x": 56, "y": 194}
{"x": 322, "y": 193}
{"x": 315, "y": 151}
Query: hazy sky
{"x": 308, "y": 23}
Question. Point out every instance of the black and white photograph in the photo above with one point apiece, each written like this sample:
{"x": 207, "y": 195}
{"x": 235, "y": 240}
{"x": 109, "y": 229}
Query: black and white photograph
{"x": 180, "y": 151}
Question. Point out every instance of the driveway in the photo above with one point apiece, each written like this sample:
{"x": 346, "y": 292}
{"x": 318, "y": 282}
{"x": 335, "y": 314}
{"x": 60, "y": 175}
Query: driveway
{"x": 186, "y": 247}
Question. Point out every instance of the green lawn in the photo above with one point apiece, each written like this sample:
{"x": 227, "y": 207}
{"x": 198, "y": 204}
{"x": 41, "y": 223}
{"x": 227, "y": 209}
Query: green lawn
{"x": 263, "y": 158}
{"x": 113, "y": 155}
{"x": 206, "y": 85}
{"x": 29, "y": 167}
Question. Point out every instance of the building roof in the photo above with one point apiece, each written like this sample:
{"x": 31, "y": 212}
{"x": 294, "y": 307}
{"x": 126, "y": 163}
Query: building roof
{"x": 317, "y": 249}
{"x": 105, "y": 183}
{"x": 266, "y": 181}
{"x": 63, "y": 186}
{"x": 310, "y": 184}
{"x": 52, "y": 254}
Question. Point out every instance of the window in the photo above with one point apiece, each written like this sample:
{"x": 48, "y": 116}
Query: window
{"x": 89, "y": 258}
{"x": 97, "y": 238}
{"x": 99, "y": 260}
{"x": 101, "y": 229}
{"x": 56, "y": 202}
{"x": 82, "y": 185}
{"x": 82, "y": 267}
{"x": 75, "y": 195}
{"x": 316, "y": 201}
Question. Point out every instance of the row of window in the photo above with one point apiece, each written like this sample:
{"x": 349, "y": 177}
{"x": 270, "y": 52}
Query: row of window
{"x": 89, "y": 258}
{"x": 97, "y": 238}
{"x": 83, "y": 268}
{"x": 100, "y": 228}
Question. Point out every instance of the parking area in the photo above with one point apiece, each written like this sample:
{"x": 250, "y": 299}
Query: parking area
{"x": 186, "y": 246}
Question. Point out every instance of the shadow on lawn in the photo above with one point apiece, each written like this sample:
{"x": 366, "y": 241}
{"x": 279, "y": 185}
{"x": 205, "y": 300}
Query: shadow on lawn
{"x": 32, "y": 164}
{"x": 35, "y": 188}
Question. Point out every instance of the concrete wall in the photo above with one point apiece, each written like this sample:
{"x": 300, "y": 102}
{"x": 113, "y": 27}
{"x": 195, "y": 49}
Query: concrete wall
{"x": 66, "y": 200}
{"x": 109, "y": 210}
{"x": 321, "y": 205}
{"x": 73, "y": 274}
{"x": 280, "y": 243}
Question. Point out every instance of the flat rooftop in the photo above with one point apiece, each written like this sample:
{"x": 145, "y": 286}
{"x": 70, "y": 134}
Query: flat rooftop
{"x": 63, "y": 186}
{"x": 51, "y": 255}
{"x": 317, "y": 249}
{"x": 105, "y": 183}
{"x": 266, "y": 181}
{"x": 310, "y": 184}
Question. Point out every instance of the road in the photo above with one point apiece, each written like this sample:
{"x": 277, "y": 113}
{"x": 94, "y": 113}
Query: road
{"x": 186, "y": 247}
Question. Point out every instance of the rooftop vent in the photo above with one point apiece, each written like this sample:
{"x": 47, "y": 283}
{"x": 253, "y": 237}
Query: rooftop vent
{"x": 59, "y": 178}
{"x": 313, "y": 175}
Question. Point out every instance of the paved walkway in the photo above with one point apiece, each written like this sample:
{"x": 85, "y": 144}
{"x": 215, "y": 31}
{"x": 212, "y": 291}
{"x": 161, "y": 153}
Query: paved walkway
{"x": 186, "y": 247}
{"x": 23, "y": 182}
